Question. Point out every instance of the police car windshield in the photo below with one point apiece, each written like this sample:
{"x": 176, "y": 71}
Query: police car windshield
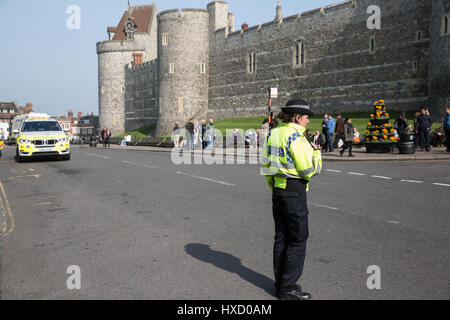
{"x": 36, "y": 126}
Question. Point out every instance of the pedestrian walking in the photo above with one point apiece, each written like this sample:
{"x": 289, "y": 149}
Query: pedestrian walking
{"x": 447, "y": 128}
{"x": 339, "y": 131}
{"x": 190, "y": 132}
{"x": 349, "y": 134}
{"x": 330, "y": 132}
{"x": 417, "y": 141}
{"x": 176, "y": 135}
{"x": 324, "y": 131}
{"x": 289, "y": 161}
{"x": 424, "y": 127}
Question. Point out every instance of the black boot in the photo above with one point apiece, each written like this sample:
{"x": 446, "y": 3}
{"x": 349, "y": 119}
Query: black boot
{"x": 294, "y": 294}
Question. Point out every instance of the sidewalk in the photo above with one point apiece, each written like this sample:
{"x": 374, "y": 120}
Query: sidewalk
{"x": 360, "y": 154}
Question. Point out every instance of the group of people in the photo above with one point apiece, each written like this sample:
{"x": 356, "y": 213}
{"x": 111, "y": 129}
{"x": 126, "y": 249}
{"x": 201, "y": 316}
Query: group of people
{"x": 197, "y": 134}
{"x": 423, "y": 137}
{"x": 105, "y": 137}
{"x": 341, "y": 130}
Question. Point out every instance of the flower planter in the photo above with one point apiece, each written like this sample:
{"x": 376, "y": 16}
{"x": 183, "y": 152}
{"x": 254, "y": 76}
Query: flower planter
{"x": 379, "y": 147}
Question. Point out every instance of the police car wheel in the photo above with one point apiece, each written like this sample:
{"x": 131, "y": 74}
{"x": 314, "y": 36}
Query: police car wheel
{"x": 18, "y": 157}
{"x": 66, "y": 157}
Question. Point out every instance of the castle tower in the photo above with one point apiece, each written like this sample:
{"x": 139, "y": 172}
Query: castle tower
{"x": 183, "y": 50}
{"x": 135, "y": 34}
{"x": 439, "y": 67}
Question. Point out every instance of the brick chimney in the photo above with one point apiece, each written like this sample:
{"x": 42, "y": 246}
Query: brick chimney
{"x": 80, "y": 114}
{"x": 70, "y": 114}
{"x": 137, "y": 59}
{"x": 244, "y": 26}
{"x": 28, "y": 107}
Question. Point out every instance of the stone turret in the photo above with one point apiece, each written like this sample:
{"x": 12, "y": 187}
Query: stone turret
{"x": 279, "y": 14}
{"x": 183, "y": 49}
{"x": 115, "y": 54}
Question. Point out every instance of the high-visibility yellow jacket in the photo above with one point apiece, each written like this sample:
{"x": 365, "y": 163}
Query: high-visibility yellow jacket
{"x": 1, "y": 145}
{"x": 288, "y": 154}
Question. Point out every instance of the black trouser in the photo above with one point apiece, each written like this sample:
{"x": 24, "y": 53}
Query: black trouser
{"x": 424, "y": 138}
{"x": 290, "y": 214}
{"x": 347, "y": 145}
{"x": 447, "y": 139}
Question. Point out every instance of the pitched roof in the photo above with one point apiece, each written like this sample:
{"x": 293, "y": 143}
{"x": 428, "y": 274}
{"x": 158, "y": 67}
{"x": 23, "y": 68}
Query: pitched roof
{"x": 141, "y": 16}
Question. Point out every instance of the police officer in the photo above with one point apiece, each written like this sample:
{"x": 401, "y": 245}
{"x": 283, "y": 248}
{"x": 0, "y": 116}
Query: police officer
{"x": 289, "y": 161}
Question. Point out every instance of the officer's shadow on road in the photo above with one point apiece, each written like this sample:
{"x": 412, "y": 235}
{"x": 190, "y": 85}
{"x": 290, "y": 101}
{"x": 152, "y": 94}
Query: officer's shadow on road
{"x": 230, "y": 263}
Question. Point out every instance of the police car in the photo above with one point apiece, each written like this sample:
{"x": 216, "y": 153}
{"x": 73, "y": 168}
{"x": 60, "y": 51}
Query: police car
{"x": 37, "y": 134}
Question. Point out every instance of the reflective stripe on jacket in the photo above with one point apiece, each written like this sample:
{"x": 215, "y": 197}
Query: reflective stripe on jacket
{"x": 288, "y": 154}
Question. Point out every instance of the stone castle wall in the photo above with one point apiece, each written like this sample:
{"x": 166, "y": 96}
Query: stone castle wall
{"x": 439, "y": 81}
{"x": 141, "y": 95}
{"x": 339, "y": 74}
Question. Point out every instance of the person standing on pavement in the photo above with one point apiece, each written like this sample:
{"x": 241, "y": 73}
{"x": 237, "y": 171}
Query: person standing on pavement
{"x": 190, "y": 132}
{"x": 318, "y": 139}
{"x": 424, "y": 124}
{"x": 203, "y": 134}
{"x": 417, "y": 141}
{"x": 447, "y": 128}
{"x": 330, "y": 132}
{"x": 324, "y": 132}
{"x": 339, "y": 131}
{"x": 289, "y": 161}
{"x": 401, "y": 123}
{"x": 210, "y": 134}
{"x": 108, "y": 138}
{"x": 176, "y": 135}
{"x": 349, "y": 134}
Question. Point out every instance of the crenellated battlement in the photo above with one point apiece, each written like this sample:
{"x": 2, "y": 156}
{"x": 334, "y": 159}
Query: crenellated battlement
{"x": 317, "y": 13}
{"x": 143, "y": 66}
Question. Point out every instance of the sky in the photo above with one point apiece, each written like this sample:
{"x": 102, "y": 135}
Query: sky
{"x": 44, "y": 62}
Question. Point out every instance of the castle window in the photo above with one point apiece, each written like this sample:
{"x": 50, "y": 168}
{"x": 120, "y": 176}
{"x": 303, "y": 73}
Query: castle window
{"x": 202, "y": 68}
{"x": 165, "y": 39}
{"x": 180, "y": 104}
{"x": 102, "y": 90}
{"x": 251, "y": 63}
{"x": 299, "y": 55}
{"x": 419, "y": 35}
{"x": 415, "y": 66}
{"x": 446, "y": 25}
{"x": 171, "y": 67}
{"x": 123, "y": 89}
{"x": 372, "y": 46}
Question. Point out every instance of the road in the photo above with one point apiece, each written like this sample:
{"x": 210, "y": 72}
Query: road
{"x": 140, "y": 227}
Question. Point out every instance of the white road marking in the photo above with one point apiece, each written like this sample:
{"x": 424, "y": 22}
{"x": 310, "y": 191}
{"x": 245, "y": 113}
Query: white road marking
{"x": 138, "y": 164}
{"x": 442, "y": 184}
{"x": 357, "y": 174}
{"x": 393, "y": 222}
{"x": 330, "y": 170}
{"x": 411, "y": 181}
{"x": 207, "y": 179}
{"x": 96, "y": 155}
{"x": 381, "y": 177}
{"x": 129, "y": 162}
{"x": 323, "y": 206}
